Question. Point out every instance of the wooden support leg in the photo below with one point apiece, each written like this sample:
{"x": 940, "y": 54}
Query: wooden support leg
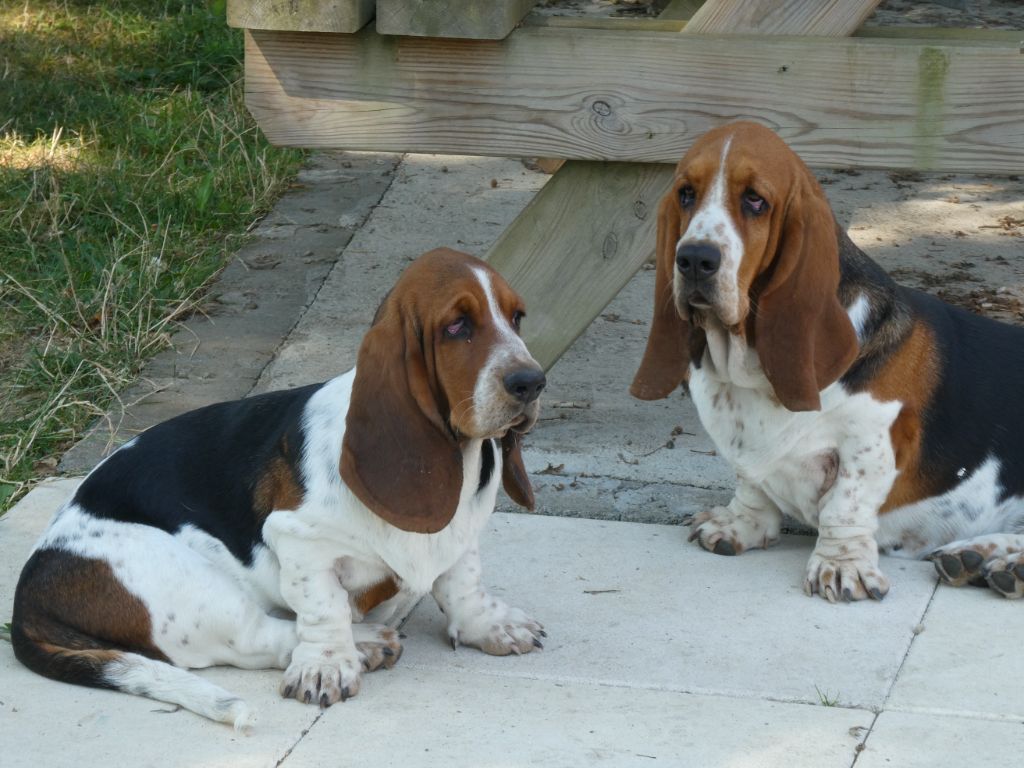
{"x": 580, "y": 239}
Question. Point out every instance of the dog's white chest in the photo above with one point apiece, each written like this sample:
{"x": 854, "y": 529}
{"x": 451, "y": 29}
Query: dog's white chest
{"x": 792, "y": 457}
{"x": 332, "y": 518}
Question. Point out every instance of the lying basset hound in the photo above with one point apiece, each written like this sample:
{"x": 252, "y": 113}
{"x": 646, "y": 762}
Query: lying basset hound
{"x": 875, "y": 413}
{"x": 328, "y": 501}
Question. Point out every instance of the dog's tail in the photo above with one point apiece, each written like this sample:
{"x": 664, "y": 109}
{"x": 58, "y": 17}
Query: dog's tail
{"x": 100, "y": 667}
{"x": 53, "y": 640}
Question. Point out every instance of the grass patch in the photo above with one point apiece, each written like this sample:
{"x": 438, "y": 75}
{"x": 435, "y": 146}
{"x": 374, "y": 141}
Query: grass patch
{"x": 129, "y": 172}
{"x": 825, "y": 698}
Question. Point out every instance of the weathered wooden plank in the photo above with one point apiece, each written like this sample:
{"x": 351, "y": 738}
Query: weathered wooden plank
{"x": 942, "y": 34}
{"x": 643, "y": 97}
{"x": 681, "y": 10}
{"x": 474, "y": 19}
{"x": 301, "y": 15}
{"x": 826, "y": 18}
{"x": 576, "y": 244}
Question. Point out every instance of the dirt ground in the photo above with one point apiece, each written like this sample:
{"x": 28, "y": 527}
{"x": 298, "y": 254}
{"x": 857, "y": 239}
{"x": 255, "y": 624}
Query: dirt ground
{"x": 976, "y": 14}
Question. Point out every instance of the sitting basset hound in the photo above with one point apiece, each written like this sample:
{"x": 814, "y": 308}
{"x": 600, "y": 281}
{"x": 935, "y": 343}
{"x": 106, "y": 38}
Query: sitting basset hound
{"x": 327, "y": 501}
{"x": 875, "y": 413}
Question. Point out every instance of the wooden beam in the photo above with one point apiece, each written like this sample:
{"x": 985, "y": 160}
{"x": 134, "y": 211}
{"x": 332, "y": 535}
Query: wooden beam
{"x": 301, "y": 15}
{"x": 581, "y": 238}
{"x": 680, "y": 10}
{"x": 606, "y": 23}
{"x": 942, "y": 34}
{"x": 826, "y": 18}
{"x": 474, "y": 19}
{"x": 643, "y": 96}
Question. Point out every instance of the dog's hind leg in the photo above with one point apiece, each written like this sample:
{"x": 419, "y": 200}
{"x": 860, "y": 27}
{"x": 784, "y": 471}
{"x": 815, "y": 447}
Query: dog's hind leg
{"x": 996, "y": 559}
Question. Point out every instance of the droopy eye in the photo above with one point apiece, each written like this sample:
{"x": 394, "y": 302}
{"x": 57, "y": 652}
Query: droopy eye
{"x": 753, "y": 202}
{"x": 459, "y": 329}
{"x": 687, "y": 196}
{"x": 517, "y": 318}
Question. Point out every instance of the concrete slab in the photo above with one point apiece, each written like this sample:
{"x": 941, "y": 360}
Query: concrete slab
{"x": 443, "y": 200}
{"x": 20, "y": 529}
{"x": 429, "y": 718}
{"x": 636, "y": 605}
{"x": 924, "y": 741}
{"x": 459, "y": 202}
{"x": 967, "y": 661}
{"x": 43, "y": 722}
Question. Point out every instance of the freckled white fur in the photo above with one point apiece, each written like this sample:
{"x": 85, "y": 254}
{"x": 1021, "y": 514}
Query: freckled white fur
{"x": 969, "y": 510}
{"x": 831, "y": 469}
{"x": 713, "y": 223}
{"x": 207, "y": 608}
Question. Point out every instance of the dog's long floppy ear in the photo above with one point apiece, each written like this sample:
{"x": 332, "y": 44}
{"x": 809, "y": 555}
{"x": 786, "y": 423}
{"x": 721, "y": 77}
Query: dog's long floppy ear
{"x": 667, "y": 358}
{"x": 513, "y": 472}
{"x": 398, "y": 456}
{"x": 803, "y": 336}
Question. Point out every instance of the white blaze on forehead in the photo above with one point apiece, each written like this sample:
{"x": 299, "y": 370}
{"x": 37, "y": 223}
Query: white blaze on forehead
{"x": 712, "y": 216}
{"x": 714, "y": 224}
{"x": 501, "y": 323}
{"x": 489, "y": 395}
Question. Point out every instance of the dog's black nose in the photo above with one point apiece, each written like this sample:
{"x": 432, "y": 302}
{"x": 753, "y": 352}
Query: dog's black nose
{"x": 698, "y": 261}
{"x": 525, "y": 384}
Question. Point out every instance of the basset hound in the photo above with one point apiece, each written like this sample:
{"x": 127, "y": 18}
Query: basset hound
{"x": 877, "y": 414}
{"x": 332, "y": 502}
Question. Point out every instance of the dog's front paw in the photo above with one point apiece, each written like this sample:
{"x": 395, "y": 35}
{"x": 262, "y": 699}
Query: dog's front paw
{"x": 321, "y": 675}
{"x": 1006, "y": 574}
{"x": 378, "y": 646}
{"x": 498, "y": 630}
{"x": 845, "y": 579}
{"x": 724, "y": 532}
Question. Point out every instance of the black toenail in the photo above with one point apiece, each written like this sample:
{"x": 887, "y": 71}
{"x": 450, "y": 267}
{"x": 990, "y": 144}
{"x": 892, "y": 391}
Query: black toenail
{"x": 971, "y": 559}
{"x": 307, "y": 697}
{"x": 876, "y": 593}
{"x": 951, "y": 566}
{"x": 847, "y": 594}
{"x": 324, "y": 701}
{"x": 542, "y": 633}
{"x": 345, "y": 694}
{"x": 387, "y": 651}
{"x": 723, "y": 547}
{"x": 1003, "y": 581}
{"x": 288, "y": 691}
{"x": 537, "y": 643}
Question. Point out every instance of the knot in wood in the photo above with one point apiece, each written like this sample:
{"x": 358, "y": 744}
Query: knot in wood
{"x": 610, "y": 246}
{"x": 640, "y": 209}
{"x": 603, "y": 108}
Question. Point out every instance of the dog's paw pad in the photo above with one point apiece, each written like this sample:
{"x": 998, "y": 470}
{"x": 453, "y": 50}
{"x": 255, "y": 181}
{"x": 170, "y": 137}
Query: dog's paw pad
{"x": 1006, "y": 575}
{"x": 957, "y": 567}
